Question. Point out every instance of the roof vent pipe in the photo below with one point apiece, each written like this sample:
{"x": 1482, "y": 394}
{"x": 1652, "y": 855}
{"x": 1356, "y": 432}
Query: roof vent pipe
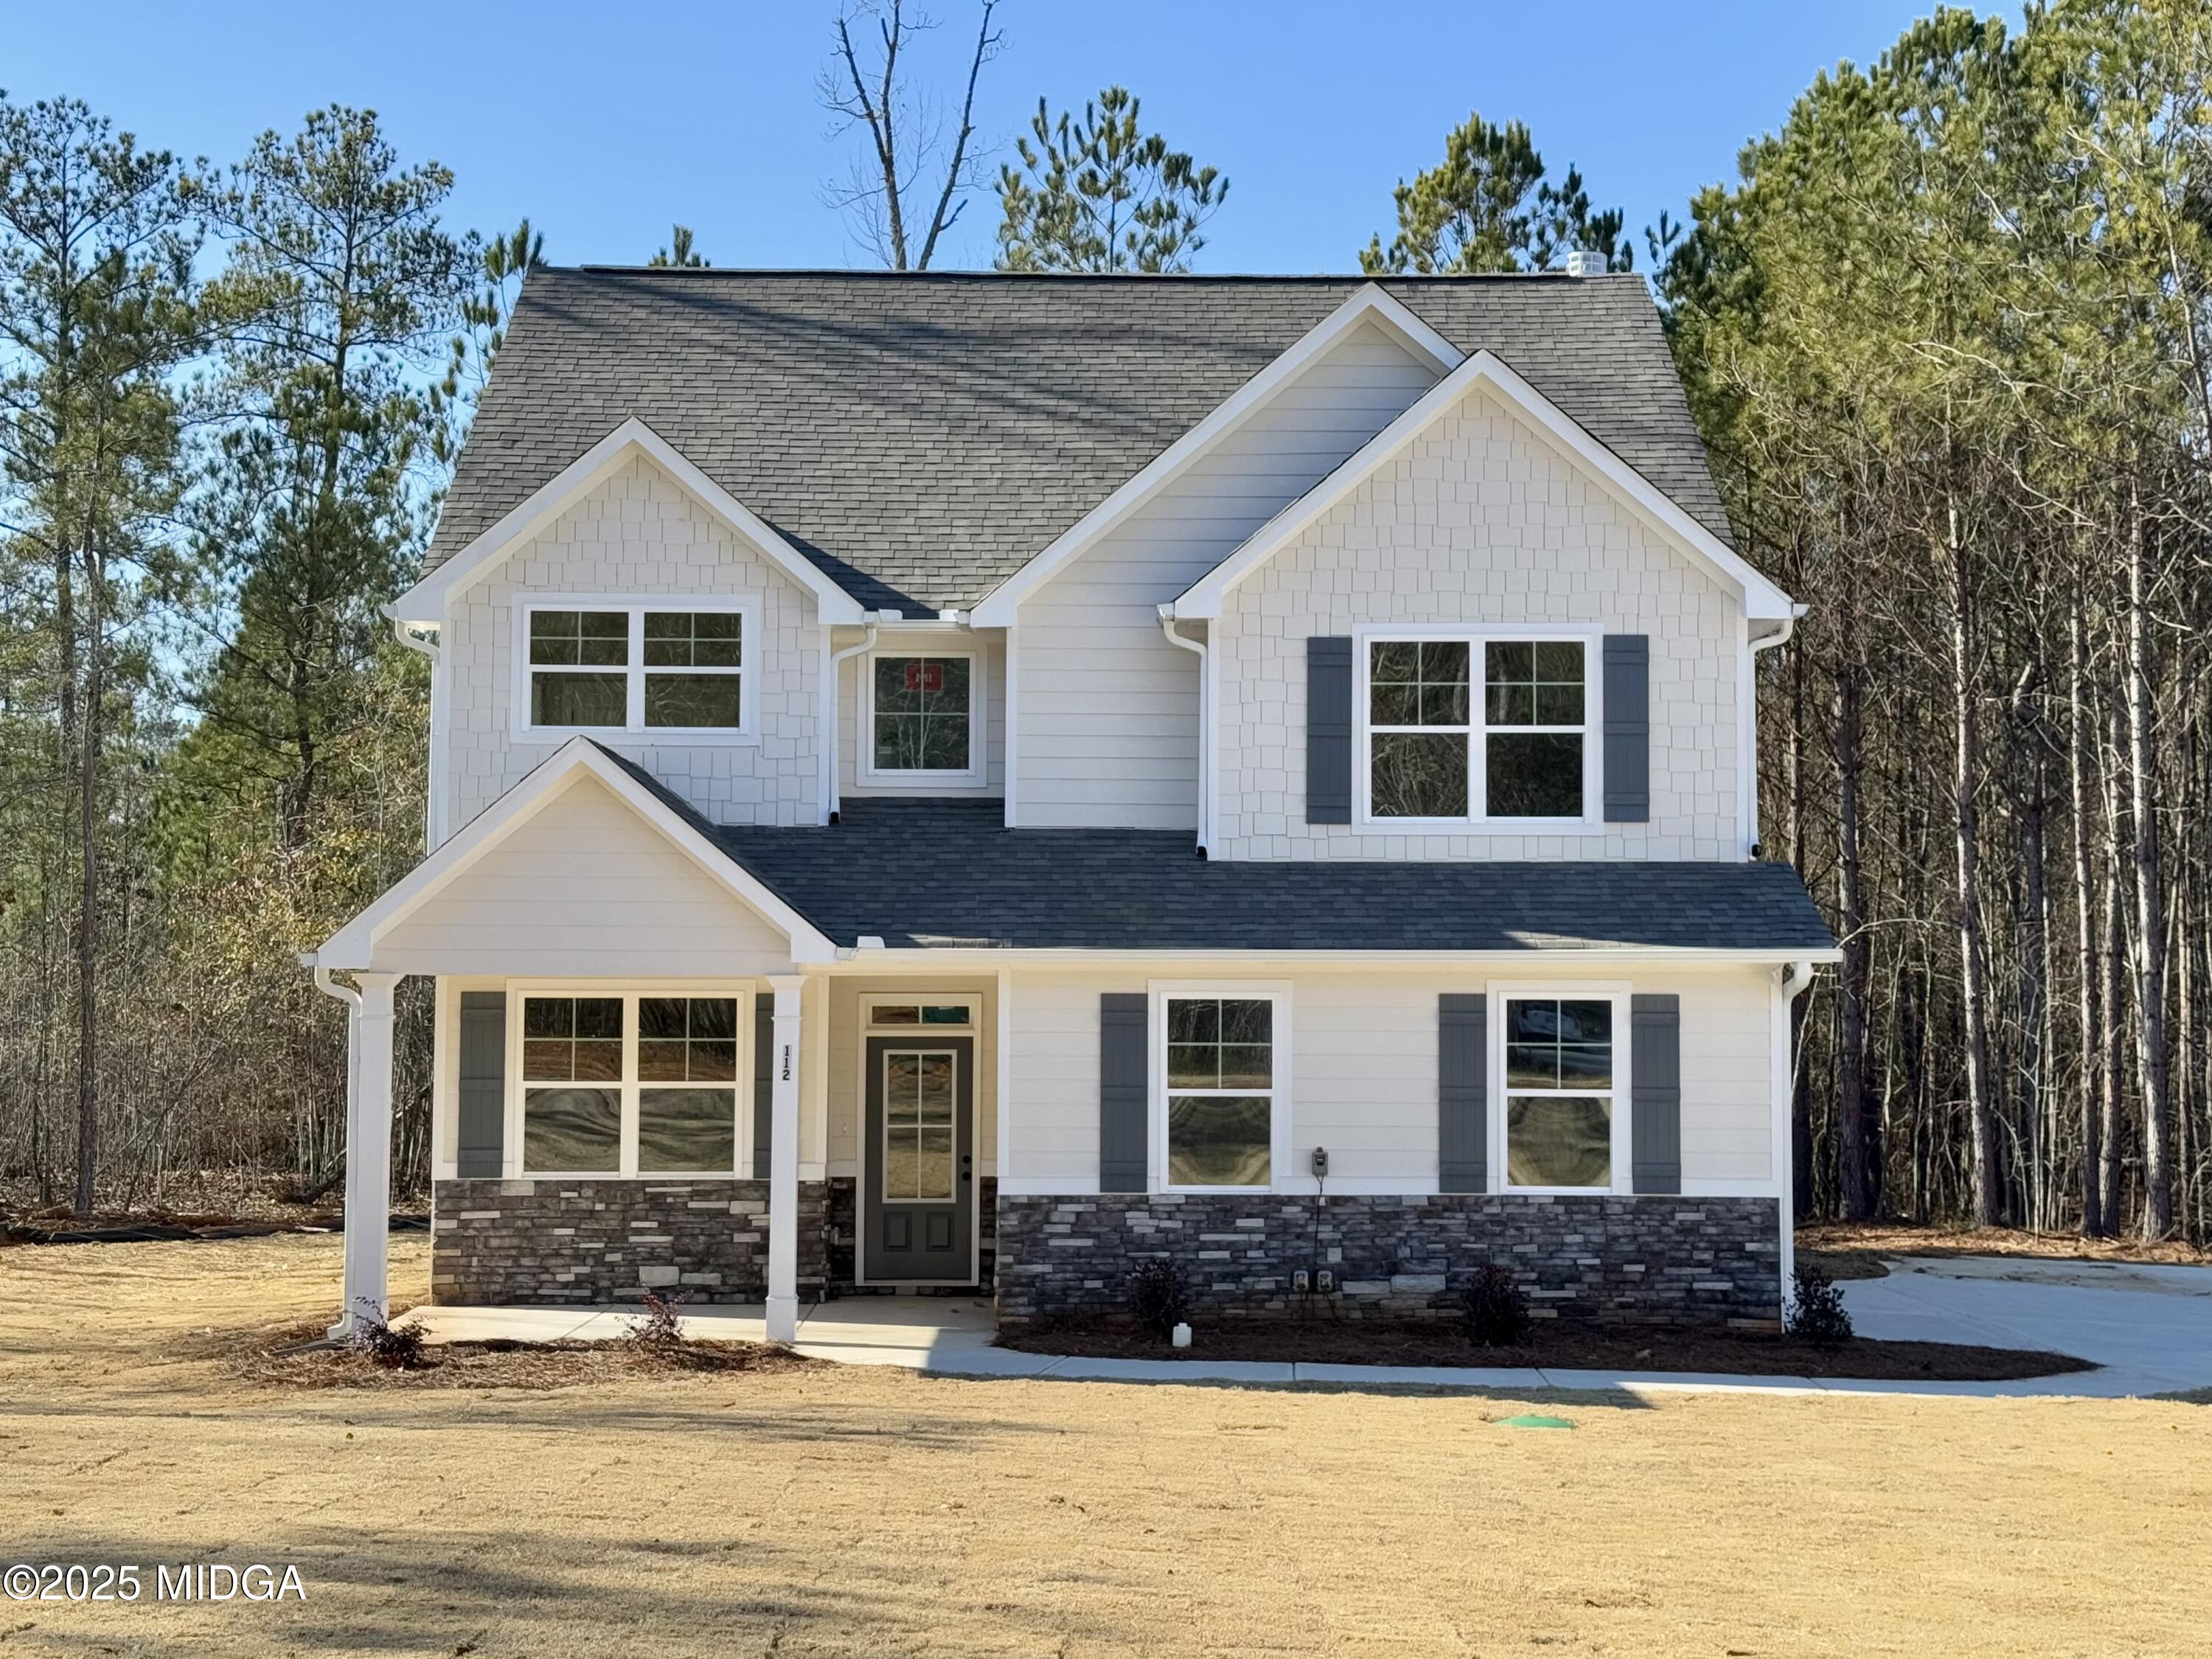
{"x": 1585, "y": 261}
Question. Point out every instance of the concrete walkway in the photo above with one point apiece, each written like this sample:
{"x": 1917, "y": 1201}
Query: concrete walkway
{"x": 2149, "y": 1330}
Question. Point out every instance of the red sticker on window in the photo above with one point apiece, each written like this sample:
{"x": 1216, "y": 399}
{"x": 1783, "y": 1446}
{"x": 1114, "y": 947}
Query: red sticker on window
{"x": 922, "y": 676}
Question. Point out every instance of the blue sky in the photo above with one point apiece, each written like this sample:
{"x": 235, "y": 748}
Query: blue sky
{"x": 606, "y": 123}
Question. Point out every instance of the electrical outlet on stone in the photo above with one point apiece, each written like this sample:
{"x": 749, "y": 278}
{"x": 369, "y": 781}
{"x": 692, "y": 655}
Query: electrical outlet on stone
{"x": 1325, "y": 1281}
{"x": 1299, "y": 1281}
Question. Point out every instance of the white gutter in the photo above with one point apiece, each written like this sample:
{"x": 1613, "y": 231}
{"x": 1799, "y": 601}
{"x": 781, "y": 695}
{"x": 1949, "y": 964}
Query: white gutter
{"x": 413, "y": 636}
{"x": 1202, "y": 649}
{"x": 1746, "y": 722}
{"x": 830, "y": 797}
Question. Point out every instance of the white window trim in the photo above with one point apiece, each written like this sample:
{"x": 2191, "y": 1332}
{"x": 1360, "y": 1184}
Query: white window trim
{"x": 1591, "y": 821}
{"x": 883, "y": 1148}
{"x": 1277, "y": 991}
{"x": 638, "y": 606}
{"x": 628, "y": 992}
{"x": 864, "y": 736}
{"x": 1624, "y": 1145}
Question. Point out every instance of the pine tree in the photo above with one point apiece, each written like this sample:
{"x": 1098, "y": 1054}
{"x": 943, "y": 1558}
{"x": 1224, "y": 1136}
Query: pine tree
{"x": 1102, "y": 195}
{"x": 1488, "y": 207}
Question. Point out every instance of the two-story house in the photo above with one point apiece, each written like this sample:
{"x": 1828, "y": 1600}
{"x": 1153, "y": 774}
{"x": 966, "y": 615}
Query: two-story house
{"x": 942, "y": 781}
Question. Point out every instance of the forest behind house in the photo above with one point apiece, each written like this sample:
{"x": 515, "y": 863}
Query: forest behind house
{"x": 1946, "y": 336}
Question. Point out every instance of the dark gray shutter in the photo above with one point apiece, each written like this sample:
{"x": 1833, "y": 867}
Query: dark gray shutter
{"x": 1462, "y": 1094}
{"x": 1627, "y": 728}
{"x": 1655, "y": 1092}
{"x": 1329, "y": 729}
{"x": 1123, "y": 1059}
{"x": 479, "y": 1147}
{"x": 763, "y": 1082}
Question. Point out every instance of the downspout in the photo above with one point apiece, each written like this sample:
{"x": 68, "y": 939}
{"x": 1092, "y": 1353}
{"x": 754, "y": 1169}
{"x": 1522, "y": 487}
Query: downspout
{"x": 830, "y": 796}
{"x": 434, "y": 793}
{"x": 1202, "y": 650}
{"x": 1795, "y": 978}
{"x": 1748, "y": 720}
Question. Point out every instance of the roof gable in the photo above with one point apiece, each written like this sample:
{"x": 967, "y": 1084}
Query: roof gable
{"x": 426, "y": 601}
{"x": 1370, "y": 305}
{"x": 1483, "y": 371}
{"x": 354, "y": 945}
{"x": 920, "y": 437}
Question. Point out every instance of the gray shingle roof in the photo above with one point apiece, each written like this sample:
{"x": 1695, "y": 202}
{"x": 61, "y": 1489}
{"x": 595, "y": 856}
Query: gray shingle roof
{"x": 922, "y": 437}
{"x": 923, "y": 873}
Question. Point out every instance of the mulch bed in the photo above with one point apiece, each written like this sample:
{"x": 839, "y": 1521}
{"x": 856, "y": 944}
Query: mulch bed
{"x": 291, "y": 1358}
{"x": 1564, "y": 1343}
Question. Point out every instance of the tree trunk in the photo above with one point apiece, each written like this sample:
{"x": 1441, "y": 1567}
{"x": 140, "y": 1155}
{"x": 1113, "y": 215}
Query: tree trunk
{"x": 1973, "y": 984}
{"x": 87, "y": 918}
{"x": 2093, "y": 1223}
{"x": 2150, "y": 899}
{"x": 1860, "y": 1159}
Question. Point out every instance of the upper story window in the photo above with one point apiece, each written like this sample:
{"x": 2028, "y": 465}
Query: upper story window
{"x": 608, "y": 665}
{"x": 1443, "y": 748}
{"x": 919, "y": 713}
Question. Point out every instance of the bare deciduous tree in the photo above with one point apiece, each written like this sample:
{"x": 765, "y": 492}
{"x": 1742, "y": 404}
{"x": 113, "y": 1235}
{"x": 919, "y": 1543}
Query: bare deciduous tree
{"x": 906, "y": 154}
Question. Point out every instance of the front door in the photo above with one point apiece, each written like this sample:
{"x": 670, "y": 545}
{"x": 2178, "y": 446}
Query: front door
{"x": 920, "y": 1186}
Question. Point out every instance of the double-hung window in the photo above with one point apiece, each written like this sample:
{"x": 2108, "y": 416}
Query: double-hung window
{"x": 680, "y": 668}
{"x": 1560, "y": 1096}
{"x": 634, "y": 1084}
{"x": 921, "y": 714}
{"x": 1221, "y": 1089}
{"x": 1471, "y": 728}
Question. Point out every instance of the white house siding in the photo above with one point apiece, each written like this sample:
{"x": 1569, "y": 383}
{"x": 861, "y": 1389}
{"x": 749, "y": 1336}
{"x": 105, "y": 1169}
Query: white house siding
{"x": 584, "y": 888}
{"x": 1479, "y": 522}
{"x": 1107, "y": 710}
{"x": 641, "y": 535}
{"x": 1363, "y": 1071}
{"x": 989, "y": 650}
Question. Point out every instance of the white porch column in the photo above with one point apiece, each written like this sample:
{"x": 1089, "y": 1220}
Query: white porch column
{"x": 368, "y": 1152}
{"x": 783, "y": 1165}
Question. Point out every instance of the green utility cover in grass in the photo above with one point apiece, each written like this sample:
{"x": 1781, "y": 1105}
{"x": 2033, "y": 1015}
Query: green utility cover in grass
{"x": 1533, "y": 1420}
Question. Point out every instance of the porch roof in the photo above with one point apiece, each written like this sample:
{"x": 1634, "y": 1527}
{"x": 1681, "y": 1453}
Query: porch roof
{"x": 937, "y": 874}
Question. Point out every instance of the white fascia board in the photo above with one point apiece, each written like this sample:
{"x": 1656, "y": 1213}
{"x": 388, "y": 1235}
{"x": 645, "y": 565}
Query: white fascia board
{"x": 1369, "y": 304}
{"x": 426, "y": 602}
{"x": 1762, "y": 600}
{"x": 354, "y": 945}
{"x": 942, "y": 958}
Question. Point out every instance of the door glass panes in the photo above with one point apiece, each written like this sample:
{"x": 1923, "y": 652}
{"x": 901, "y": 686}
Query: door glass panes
{"x": 918, "y": 1124}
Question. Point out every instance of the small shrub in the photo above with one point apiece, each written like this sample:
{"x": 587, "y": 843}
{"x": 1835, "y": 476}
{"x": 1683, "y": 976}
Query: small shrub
{"x": 1497, "y": 1308}
{"x": 1817, "y": 1314}
{"x": 395, "y": 1347}
{"x": 657, "y": 1334}
{"x": 1159, "y": 1298}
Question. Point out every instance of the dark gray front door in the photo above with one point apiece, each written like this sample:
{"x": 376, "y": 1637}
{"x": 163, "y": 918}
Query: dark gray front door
{"x": 920, "y": 1196}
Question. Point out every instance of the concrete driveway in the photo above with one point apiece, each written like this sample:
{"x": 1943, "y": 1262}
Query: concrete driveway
{"x": 2148, "y": 1327}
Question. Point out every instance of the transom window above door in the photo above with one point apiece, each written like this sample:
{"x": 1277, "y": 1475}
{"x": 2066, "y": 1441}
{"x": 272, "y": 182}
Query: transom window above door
{"x": 920, "y": 713}
{"x": 1442, "y": 749}
{"x": 636, "y": 667}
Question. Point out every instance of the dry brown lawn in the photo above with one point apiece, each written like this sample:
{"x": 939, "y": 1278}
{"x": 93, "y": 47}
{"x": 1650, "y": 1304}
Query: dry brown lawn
{"x": 822, "y": 1509}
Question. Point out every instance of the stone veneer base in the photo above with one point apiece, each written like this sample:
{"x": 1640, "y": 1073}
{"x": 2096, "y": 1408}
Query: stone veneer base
{"x": 550, "y": 1241}
{"x": 1650, "y": 1259}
